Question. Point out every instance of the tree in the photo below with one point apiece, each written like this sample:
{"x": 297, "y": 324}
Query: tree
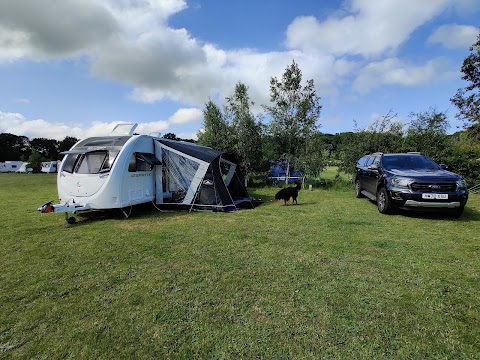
{"x": 316, "y": 157}
{"x": 67, "y": 143}
{"x": 463, "y": 156}
{"x": 295, "y": 111}
{"x": 467, "y": 99}
{"x": 216, "y": 130}
{"x": 427, "y": 133}
{"x": 48, "y": 148}
{"x": 170, "y": 136}
{"x": 35, "y": 161}
{"x": 13, "y": 147}
{"x": 384, "y": 135}
{"x": 246, "y": 131}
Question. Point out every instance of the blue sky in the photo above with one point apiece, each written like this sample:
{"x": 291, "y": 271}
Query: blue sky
{"x": 82, "y": 66}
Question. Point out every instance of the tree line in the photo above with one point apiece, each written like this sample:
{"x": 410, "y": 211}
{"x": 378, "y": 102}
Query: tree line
{"x": 292, "y": 133}
{"x": 21, "y": 148}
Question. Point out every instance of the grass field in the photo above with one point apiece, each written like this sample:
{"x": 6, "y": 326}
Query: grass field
{"x": 329, "y": 278}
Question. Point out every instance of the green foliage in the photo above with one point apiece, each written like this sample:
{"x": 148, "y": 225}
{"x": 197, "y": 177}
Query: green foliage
{"x": 463, "y": 157}
{"x": 427, "y": 133}
{"x": 172, "y": 136}
{"x": 294, "y": 113}
{"x": 315, "y": 159}
{"x": 67, "y": 143}
{"x": 467, "y": 99}
{"x": 35, "y": 161}
{"x": 247, "y": 132}
{"x": 216, "y": 132}
{"x": 331, "y": 178}
{"x": 12, "y": 147}
{"x": 48, "y": 148}
{"x": 384, "y": 135}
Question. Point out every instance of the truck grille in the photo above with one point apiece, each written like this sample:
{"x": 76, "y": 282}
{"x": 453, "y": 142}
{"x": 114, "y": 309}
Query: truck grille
{"x": 433, "y": 187}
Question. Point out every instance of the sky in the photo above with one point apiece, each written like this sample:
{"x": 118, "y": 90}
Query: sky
{"x": 79, "y": 67}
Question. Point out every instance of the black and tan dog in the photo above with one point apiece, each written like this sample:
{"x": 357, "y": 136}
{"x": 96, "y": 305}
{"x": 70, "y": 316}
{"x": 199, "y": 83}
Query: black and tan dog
{"x": 287, "y": 193}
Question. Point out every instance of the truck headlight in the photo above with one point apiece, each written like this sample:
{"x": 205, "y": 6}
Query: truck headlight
{"x": 401, "y": 183}
{"x": 461, "y": 184}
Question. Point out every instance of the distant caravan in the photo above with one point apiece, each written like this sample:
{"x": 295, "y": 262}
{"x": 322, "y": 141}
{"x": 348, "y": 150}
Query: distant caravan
{"x": 49, "y": 167}
{"x": 10, "y": 166}
{"x": 127, "y": 169}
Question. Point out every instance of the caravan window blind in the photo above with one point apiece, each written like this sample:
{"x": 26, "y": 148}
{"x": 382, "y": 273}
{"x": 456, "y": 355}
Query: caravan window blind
{"x": 96, "y": 162}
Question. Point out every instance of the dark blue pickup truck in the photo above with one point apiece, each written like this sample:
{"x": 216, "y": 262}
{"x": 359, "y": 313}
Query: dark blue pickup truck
{"x": 409, "y": 181}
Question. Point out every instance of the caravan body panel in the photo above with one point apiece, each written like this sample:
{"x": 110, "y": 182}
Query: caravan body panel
{"x": 106, "y": 173}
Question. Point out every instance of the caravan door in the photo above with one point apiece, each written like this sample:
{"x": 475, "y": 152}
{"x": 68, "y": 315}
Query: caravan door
{"x": 140, "y": 180}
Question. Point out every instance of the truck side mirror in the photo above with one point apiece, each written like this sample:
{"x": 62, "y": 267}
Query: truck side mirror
{"x": 443, "y": 167}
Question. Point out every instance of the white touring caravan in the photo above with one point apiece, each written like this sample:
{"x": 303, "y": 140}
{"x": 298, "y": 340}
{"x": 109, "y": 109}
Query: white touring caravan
{"x": 49, "y": 167}
{"x": 126, "y": 169}
{"x": 23, "y": 168}
{"x": 10, "y": 166}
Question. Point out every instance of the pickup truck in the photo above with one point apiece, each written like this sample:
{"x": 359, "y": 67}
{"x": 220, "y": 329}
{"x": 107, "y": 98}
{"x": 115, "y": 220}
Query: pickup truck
{"x": 409, "y": 181}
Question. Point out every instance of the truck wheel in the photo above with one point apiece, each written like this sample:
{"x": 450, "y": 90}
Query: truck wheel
{"x": 358, "y": 189}
{"x": 458, "y": 211}
{"x": 384, "y": 204}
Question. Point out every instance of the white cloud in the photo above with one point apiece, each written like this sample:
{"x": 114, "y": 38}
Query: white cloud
{"x": 394, "y": 71}
{"x": 369, "y": 28}
{"x": 12, "y": 44}
{"x": 454, "y": 36}
{"x": 17, "y": 124}
{"x": 10, "y": 120}
{"x": 130, "y": 42}
{"x": 185, "y": 116}
{"x": 190, "y": 135}
{"x": 152, "y": 127}
{"x": 21, "y": 101}
{"x": 40, "y": 30}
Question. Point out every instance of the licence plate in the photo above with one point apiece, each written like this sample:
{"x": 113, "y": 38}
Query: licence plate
{"x": 435, "y": 196}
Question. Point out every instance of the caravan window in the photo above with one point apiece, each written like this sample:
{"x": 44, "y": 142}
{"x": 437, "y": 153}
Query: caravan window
{"x": 142, "y": 162}
{"x": 95, "y": 162}
{"x": 69, "y": 162}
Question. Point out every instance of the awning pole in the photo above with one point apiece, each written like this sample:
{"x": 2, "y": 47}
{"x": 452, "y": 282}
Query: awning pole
{"x": 196, "y": 193}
